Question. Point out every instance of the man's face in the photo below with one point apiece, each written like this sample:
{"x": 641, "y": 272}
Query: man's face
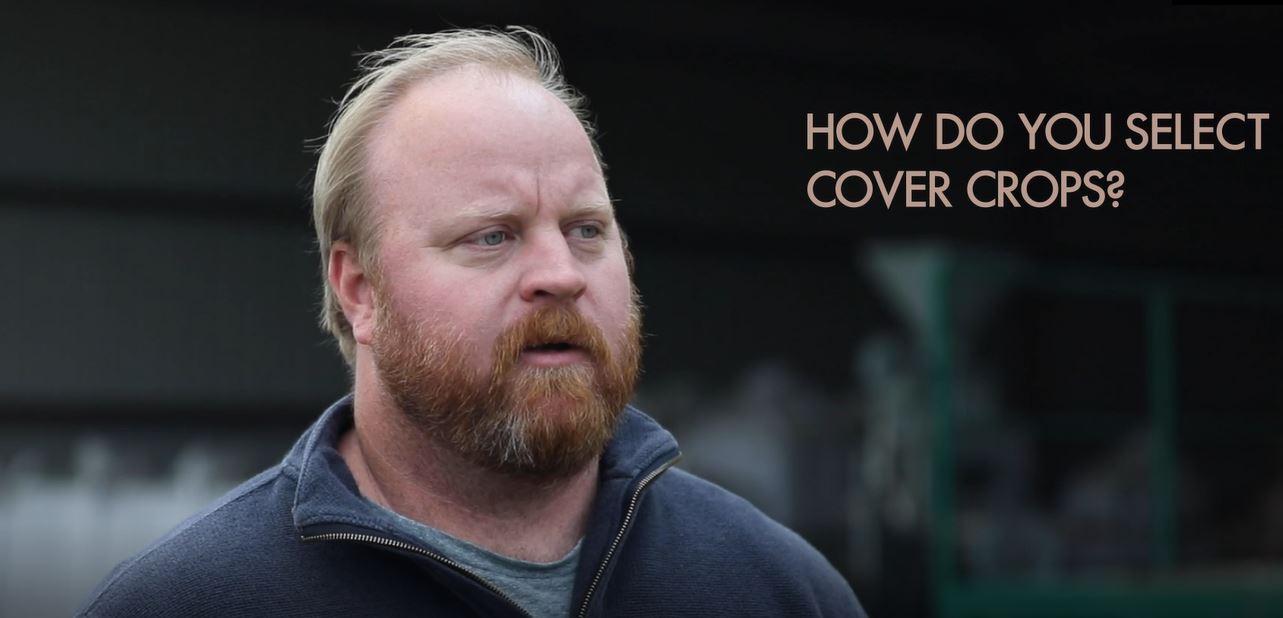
{"x": 506, "y": 323}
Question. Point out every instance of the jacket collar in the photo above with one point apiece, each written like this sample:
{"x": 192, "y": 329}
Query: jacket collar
{"x": 327, "y": 501}
{"x": 327, "y": 494}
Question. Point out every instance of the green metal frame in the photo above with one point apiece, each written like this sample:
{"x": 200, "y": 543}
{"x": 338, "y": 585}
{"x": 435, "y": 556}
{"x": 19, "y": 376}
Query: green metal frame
{"x": 1161, "y": 593}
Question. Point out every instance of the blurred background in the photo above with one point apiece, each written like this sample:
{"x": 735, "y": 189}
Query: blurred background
{"x": 969, "y": 412}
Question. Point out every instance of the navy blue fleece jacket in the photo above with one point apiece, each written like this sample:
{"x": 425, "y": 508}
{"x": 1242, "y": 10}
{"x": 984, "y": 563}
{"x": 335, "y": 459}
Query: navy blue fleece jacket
{"x": 299, "y": 540}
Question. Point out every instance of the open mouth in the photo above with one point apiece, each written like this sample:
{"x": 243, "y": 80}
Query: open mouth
{"x": 553, "y": 354}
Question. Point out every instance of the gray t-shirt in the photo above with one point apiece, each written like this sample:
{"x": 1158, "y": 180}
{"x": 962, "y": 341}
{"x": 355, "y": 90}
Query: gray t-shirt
{"x": 543, "y": 589}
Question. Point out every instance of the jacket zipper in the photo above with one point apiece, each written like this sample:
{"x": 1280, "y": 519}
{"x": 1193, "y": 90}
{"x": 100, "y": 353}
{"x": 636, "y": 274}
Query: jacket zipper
{"x": 619, "y": 536}
{"x": 393, "y": 543}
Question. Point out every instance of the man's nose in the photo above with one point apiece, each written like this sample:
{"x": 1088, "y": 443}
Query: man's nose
{"x": 552, "y": 270}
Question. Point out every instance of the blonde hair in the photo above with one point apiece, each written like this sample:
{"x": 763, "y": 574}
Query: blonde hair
{"x": 340, "y": 210}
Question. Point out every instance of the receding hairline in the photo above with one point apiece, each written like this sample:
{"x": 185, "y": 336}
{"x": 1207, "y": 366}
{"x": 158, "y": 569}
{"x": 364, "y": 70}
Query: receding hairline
{"x": 497, "y": 75}
{"x": 378, "y": 132}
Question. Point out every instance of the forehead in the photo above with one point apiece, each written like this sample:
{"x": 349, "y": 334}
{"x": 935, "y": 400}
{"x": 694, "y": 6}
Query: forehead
{"x": 477, "y": 135}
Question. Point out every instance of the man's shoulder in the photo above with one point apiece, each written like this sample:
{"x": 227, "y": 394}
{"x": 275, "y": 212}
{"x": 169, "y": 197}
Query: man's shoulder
{"x": 736, "y": 542}
{"x": 229, "y": 540}
{"x": 720, "y": 516}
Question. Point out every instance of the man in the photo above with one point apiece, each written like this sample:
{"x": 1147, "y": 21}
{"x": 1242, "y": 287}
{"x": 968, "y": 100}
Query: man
{"x": 486, "y": 462}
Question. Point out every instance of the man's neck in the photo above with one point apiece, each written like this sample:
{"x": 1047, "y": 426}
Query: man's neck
{"x": 401, "y": 468}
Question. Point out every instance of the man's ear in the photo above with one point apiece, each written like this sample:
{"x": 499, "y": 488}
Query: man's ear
{"x": 353, "y": 287}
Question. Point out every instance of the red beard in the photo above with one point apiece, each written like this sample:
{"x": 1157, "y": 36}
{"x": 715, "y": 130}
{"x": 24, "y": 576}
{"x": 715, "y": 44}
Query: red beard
{"x": 537, "y": 422}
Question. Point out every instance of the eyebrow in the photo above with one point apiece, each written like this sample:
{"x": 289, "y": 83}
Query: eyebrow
{"x": 592, "y": 208}
{"x": 484, "y": 212}
{"x": 495, "y": 213}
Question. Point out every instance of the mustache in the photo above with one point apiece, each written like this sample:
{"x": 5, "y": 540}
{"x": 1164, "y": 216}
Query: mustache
{"x": 558, "y": 326}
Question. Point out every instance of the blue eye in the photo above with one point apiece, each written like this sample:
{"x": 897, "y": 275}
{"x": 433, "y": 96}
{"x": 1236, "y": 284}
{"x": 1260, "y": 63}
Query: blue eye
{"x": 588, "y": 231}
{"x": 493, "y": 239}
